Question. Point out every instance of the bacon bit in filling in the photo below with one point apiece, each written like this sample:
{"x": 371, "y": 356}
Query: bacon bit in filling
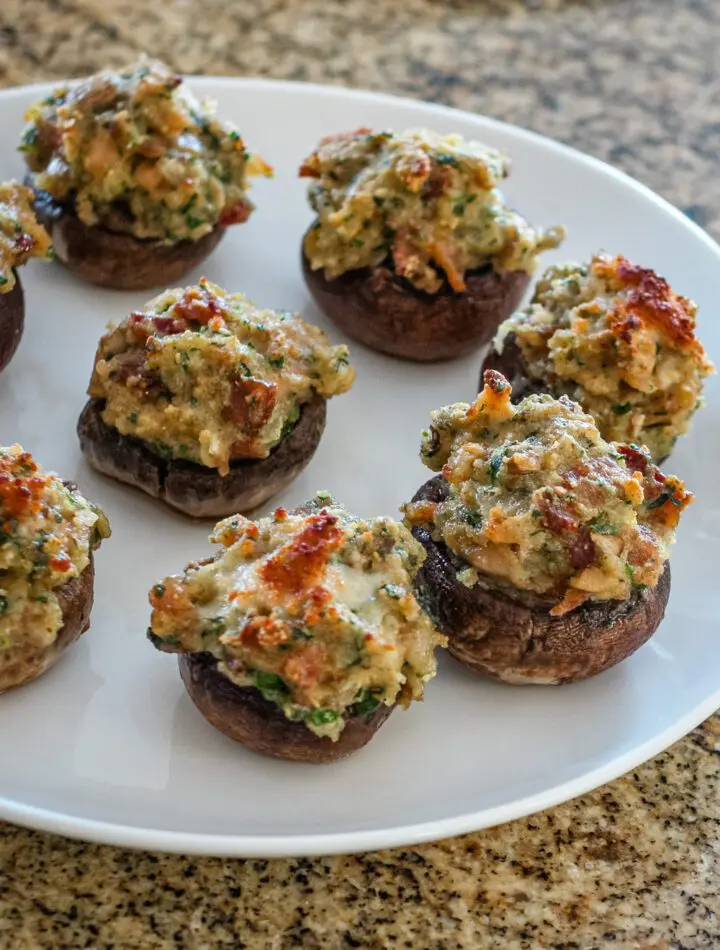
{"x": 496, "y": 384}
{"x": 414, "y": 170}
{"x": 252, "y": 402}
{"x": 197, "y": 305}
{"x": 582, "y": 550}
{"x": 237, "y": 214}
{"x": 445, "y": 258}
{"x": 635, "y": 459}
{"x": 62, "y": 564}
{"x": 305, "y": 668}
{"x": 557, "y": 515}
{"x": 309, "y": 168}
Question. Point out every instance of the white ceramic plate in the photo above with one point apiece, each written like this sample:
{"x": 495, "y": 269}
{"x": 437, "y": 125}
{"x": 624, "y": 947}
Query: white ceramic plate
{"x": 107, "y": 746}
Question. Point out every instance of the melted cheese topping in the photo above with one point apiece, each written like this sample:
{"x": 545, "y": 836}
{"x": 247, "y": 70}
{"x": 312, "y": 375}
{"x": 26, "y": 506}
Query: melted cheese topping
{"x": 47, "y": 532}
{"x": 136, "y": 152}
{"x": 617, "y": 339}
{"x": 204, "y": 375}
{"x": 428, "y": 203}
{"x": 537, "y": 499}
{"x": 21, "y": 237}
{"x": 316, "y": 610}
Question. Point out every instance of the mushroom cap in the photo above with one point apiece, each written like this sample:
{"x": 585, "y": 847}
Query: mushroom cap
{"x": 195, "y": 489}
{"x": 386, "y": 313}
{"x": 12, "y": 321}
{"x": 243, "y": 714}
{"x": 76, "y": 600}
{"x": 509, "y": 635}
{"x": 115, "y": 259}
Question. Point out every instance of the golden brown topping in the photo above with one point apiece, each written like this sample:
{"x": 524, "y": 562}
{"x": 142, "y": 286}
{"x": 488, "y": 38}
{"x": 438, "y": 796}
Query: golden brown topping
{"x": 21, "y": 488}
{"x": 314, "y": 610}
{"x": 300, "y": 565}
{"x": 205, "y": 375}
{"x": 651, "y": 300}
{"x": 537, "y": 499}
{"x": 136, "y": 152}
{"x": 617, "y": 339}
{"x": 426, "y": 204}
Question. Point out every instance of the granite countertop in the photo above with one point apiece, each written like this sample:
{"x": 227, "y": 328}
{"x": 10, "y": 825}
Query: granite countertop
{"x": 634, "y": 865}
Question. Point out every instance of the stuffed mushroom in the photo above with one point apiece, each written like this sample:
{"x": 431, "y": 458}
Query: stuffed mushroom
{"x": 303, "y": 633}
{"x": 547, "y": 547}
{"x": 415, "y": 251}
{"x": 135, "y": 179}
{"x": 615, "y": 338}
{"x": 46, "y": 566}
{"x": 208, "y": 402}
{"x": 21, "y": 237}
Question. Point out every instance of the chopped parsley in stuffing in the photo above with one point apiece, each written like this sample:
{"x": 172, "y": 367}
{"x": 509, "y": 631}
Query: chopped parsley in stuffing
{"x": 314, "y": 609}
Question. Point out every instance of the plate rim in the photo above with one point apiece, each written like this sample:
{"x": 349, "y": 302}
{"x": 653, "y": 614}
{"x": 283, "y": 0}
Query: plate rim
{"x": 355, "y": 842}
{"x": 352, "y": 842}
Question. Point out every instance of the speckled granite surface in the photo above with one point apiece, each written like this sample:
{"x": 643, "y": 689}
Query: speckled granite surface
{"x": 635, "y": 865}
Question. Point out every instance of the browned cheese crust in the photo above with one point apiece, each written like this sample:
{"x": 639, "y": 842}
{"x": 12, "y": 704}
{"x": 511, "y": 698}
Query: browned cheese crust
{"x": 243, "y": 714}
{"x": 12, "y": 321}
{"x": 194, "y": 489}
{"x": 495, "y": 633}
{"x": 76, "y": 600}
{"x": 386, "y": 313}
{"x": 114, "y": 259}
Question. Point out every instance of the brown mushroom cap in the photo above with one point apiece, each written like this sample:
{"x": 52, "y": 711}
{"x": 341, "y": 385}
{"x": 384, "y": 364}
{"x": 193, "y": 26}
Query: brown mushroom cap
{"x": 194, "y": 489}
{"x": 12, "y": 322}
{"x": 115, "y": 259}
{"x": 243, "y": 714}
{"x": 386, "y": 313}
{"x": 498, "y": 631}
{"x": 76, "y": 600}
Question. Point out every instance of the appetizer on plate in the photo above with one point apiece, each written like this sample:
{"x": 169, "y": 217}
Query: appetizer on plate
{"x": 208, "y": 402}
{"x": 135, "y": 179}
{"x": 615, "y": 338}
{"x": 21, "y": 237}
{"x": 415, "y": 251}
{"x": 546, "y": 546}
{"x": 49, "y": 534}
{"x": 303, "y": 633}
